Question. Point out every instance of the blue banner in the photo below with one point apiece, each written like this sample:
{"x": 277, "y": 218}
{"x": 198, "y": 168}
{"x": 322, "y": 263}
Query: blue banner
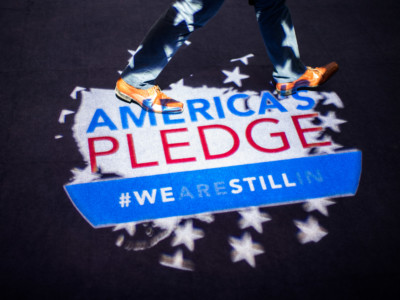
{"x": 106, "y": 203}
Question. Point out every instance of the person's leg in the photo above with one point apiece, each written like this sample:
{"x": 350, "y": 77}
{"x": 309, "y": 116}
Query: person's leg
{"x": 280, "y": 39}
{"x": 279, "y": 36}
{"x": 164, "y": 39}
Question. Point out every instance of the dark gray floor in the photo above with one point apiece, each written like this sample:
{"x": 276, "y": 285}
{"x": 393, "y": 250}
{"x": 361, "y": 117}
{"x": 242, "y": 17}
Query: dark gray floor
{"x": 49, "y": 47}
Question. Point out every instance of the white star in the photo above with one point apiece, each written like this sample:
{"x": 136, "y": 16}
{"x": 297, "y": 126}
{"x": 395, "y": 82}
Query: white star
{"x": 331, "y": 121}
{"x": 244, "y": 59}
{"x": 64, "y": 112}
{"x": 234, "y": 76}
{"x": 132, "y": 52}
{"x": 332, "y": 98}
{"x": 85, "y": 175}
{"x": 120, "y": 240}
{"x": 244, "y": 248}
{"x": 319, "y": 204}
{"x": 310, "y": 231}
{"x": 131, "y": 59}
{"x": 186, "y": 235}
{"x": 168, "y": 50}
{"x": 74, "y": 93}
{"x": 176, "y": 261}
{"x": 129, "y": 227}
{"x": 254, "y": 218}
{"x": 208, "y": 218}
{"x": 183, "y": 15}
{"x": 323, "y": 150}
{"x": 167, "y": 223}
{"x": 328, "y": 149}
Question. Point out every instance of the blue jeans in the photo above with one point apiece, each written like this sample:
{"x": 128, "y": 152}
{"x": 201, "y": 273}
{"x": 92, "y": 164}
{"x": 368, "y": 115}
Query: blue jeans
{"x": 185, "y": 16}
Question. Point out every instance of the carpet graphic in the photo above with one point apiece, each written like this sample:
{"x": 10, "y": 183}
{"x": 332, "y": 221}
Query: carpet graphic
{"x": 230, "y": 150}
{"x": 193, "y": 215}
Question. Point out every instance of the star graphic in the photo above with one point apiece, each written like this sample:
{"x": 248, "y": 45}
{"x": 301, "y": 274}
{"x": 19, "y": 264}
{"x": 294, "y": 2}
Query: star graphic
{"x": 167, "y": 223}
{"x": 332, "y": 98}
{"x": 169, "y": 51}
{"x": 310, "y": 231}
{"x": 330, "y": 121}
{"x": 129, "y": 227}
{"x": 177, "y": 261}
{"x": 245, "y": 249}
{"x": 319, "y": 204}
{"x": 85, "y": 175}
{"x": 63, "y": 114}
{"x": 244, "y": 59}
{"x": 186, "y": 235}
{"x": 132, "y": 52}
{"x": 120, "y": 240}
{"x": 254, "y": 218}
{"x": 131, "y": 58}
{"x": 234, "y": 76}
{"x": 181, "y": 16}
{"x": 74, "y": 93}
{"x": 208, "y": 218}
{"x": 328, "y": 149}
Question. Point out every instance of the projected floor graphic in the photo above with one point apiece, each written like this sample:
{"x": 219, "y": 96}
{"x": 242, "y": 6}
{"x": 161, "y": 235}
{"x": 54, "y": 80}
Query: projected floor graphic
{"x": 229, "y": 151}
{"x": 57, "y": 53}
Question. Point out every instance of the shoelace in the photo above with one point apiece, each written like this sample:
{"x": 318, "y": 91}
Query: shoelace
{"x": 159, "y": 94}
{"x": 156, "y": 89}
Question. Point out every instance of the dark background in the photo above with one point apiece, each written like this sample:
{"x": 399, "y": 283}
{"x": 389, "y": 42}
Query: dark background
{"x": 48, "y": 47}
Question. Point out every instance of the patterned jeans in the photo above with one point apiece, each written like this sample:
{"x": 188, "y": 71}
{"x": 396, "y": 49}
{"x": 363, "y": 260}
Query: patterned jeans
{"x": 185, "y": 16}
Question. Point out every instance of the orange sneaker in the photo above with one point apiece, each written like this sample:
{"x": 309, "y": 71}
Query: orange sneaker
{"x": 313, "y": 77}
{"x": 152, "y": 99}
